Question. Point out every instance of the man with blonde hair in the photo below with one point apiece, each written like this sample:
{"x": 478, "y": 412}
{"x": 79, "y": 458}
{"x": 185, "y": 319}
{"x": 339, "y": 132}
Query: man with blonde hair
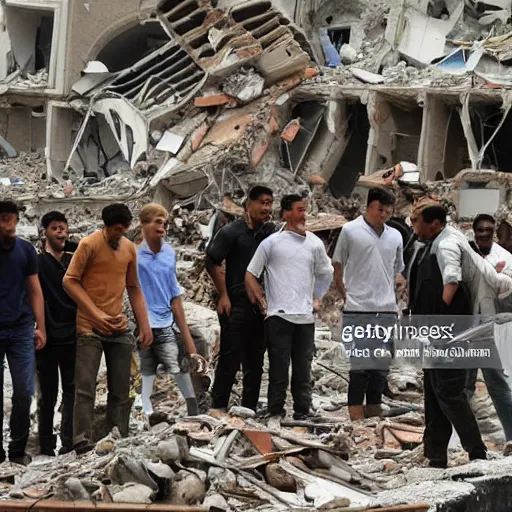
{"x": 157, "y": 274}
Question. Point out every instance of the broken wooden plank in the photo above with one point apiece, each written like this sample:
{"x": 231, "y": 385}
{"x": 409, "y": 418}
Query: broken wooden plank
{"x": 84, "y": 506}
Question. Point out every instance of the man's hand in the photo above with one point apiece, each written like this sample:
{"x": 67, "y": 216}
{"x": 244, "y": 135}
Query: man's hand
{"x": 39, "y": 339}
{"x": 401, "y": 284}
{"x": 200, "y": 366}
{"x": 224, "y": 305}
{"x": 500, "y": 266}
{"x": 262, "y": 304}
{"x": 145, "y": 337}
{"x": 107, "y": 325}
{"x": 316, "y": 305}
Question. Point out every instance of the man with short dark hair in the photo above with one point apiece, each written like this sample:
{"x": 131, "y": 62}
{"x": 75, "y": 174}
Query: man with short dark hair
{"x": 242, "y": 337}
{"x": 437, "y": 288}
{"x": 298, "y": 273}
{"x": 21, "y": 302}
{"x": 368, "y": 262}
{"x": 484, "y": 227}
{"x": 59, "y": 353}
{"x": 102, "y": 268}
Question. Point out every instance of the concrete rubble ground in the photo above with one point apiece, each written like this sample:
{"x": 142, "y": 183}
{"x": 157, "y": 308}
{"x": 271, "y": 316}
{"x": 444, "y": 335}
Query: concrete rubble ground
{"x": 195, "y": 101}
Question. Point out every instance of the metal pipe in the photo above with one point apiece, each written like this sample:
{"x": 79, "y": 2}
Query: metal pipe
{"x": 85, "y": 506}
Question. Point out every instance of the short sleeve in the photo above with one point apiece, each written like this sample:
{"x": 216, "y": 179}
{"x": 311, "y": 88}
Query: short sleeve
{"x": 132, "y": 276}
{"x": 221, "y": 244}
{"x": 79, "y": 261}
{"x": 32, "y": 261}
{"x": 259, "y": 260}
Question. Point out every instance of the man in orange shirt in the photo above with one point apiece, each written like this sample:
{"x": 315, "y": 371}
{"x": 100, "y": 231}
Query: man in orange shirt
{"x": 102, "y": 268}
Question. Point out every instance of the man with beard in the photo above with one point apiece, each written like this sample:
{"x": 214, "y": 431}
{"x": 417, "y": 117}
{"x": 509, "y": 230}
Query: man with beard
{"x": 21, "y": 301}
{"x": 59, "y": 353}
{"x": 484, "y": 227}
{"x": 242, "y": 337}
{"x": 438, "y": 288}
{"x": 157, "y": 273}
{"x": 298, "y": 273}
{"x": 102, "y": 268}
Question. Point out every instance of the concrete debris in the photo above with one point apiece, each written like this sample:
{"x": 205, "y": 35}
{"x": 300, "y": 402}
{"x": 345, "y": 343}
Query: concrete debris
{"x": 246, "y": 85}
{"x": 190, "y": 109}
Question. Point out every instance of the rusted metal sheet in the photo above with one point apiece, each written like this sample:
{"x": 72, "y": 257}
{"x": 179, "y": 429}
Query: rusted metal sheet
{"x": 84, "y": 506}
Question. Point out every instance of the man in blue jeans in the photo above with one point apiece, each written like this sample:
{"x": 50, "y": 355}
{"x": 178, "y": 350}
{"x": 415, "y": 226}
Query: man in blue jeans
{"x": 21, "y": 302}
{"x": 484, "y": 227}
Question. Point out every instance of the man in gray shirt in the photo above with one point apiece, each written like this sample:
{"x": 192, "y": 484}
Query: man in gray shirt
{"x": 298, "y": 273}
{"x": 367, "y": 265}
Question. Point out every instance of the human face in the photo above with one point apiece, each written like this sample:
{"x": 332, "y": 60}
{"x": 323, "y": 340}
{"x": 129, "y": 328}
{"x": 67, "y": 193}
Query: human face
{"x": 484, "y": 234}
{"x": 423, "y": 230}
{"x": 259, "y": 210}
{"x": 56, "y": 235}
{"x": 377, "y": 213}
{"x": 114, "y": 234}
{"x": 296, "y": 217}
{"x": 155, "y": 229}
{"x": 8, "y": 222}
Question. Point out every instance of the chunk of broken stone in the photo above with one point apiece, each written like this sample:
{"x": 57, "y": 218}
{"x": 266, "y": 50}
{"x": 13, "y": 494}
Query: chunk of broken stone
{"x": 163, "y": 475}
{"x": 277, "y": 477}
{"x": 126, "y": 470}
{"x": 187, "y": 489}
{"x": 135, "y": 493}
{"x": 76, "y": 489}
{"x": 222, "y": 479}
{"x": 172, "y": 450}
{"x": 242, "y": 412}
{"x": 216, "y": 500}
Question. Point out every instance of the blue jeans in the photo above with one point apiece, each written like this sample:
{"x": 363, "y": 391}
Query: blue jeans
{"x": 500, "y": 393}
{"x": 17, "y": 343}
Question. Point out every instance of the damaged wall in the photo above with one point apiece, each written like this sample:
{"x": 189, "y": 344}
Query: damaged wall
{"x": 37, "y": 33}
{"x": 23, "y": 127}
{"x": 92, "y": 25}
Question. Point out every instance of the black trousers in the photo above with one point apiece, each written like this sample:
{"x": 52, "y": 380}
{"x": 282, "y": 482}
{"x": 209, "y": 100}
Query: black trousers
{"x": 366, "y": 382}
{"x": 242, "y": 342}
{"x": 49, "y": 362}
{"x": 446, "y": 404}
{"x": 289, "y": 342}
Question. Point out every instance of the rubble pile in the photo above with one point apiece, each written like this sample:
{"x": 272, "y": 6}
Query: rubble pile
{"x": 242, "y": 461}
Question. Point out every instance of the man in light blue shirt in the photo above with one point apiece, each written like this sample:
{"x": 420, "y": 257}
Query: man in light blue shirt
{"x": 157, "y": 276}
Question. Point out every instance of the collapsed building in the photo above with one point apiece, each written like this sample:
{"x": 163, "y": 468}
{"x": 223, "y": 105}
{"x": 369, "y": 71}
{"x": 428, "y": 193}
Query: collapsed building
{"x": 189, "y": 103}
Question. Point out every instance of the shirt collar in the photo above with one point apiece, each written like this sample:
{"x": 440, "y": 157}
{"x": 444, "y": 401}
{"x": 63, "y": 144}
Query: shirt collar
{"x": 145, "y": 249}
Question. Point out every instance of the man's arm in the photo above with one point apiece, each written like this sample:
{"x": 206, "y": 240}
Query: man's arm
{"x": 254, "y": 271}
{"x": 71, "y": 282}
{"x": 449, "y": 258}
{"x": 339, "y": 260}
{"x": 35, "y": 295}
{"x": 400, "y": 280}
{"x": 323, "y": 271}
{"x": 138, "y": 302}
{"x": 215, "y": 255}
{"x": 338, "y": 280}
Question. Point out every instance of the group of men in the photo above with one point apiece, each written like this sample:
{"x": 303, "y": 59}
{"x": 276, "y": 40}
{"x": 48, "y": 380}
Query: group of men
{"x": 445, "y": 276}
{"x": 71, "y": 307}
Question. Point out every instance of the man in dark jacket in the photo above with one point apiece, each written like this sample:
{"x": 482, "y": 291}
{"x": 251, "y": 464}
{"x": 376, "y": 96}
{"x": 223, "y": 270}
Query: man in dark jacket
{"x": 446, "y": 403}
{"x": 59, "y": 353}
{"x": 242, "y": 334}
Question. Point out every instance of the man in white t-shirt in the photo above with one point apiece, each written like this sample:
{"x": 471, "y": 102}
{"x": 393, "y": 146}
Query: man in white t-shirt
{"x": 298, "y": 274}
{"x": 368, "y": 263}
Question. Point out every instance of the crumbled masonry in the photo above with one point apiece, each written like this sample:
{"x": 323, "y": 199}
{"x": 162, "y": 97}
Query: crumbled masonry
{"x": 191, "y": 102}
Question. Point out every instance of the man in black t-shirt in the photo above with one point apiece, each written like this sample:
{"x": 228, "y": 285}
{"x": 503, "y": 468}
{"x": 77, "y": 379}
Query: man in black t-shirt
{"x": 59, "y": 353}
{"x": 242, "y": 338}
